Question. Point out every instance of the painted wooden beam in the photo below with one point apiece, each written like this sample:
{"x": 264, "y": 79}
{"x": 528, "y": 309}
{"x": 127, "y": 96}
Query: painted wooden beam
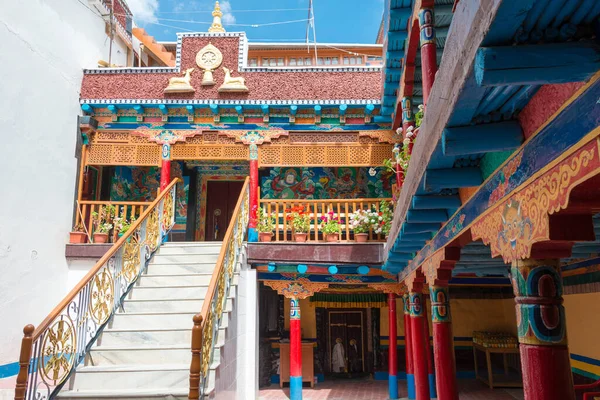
{"x": 421, "y": 216}
{"x": 332, "y": 269}
{"x": 163, "y": 108}
{"x": 435, "y": 202}
{"x": 380, "y": 119}
{"x": 420, "y": 228}
{"x": 411, "y": 236}
{"x": 450, "y": 178}
{"x": 190, "y": 109}
{"x": 363, "y": 270}
{"x": 475, "y": 139}
{"x": 112, "y": 108}
{"x": 86, "y": 108}
{"x": 536, "y": 64}
{"x": 397, "y": 36}
{"x": 272, "y": 267}
{"x": 302, "y": 268}
{"x": 400, "y": 13}
{"x": 398, "y": 258}
{"x": 406, "y": 248}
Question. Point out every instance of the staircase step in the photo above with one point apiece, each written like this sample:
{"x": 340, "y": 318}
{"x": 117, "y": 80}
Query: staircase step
{"x": 181, "y": 269}
{"x": 131, "y": 394}
{"x": 129, "y": 337}
{"x": 152, "y": 321}
{"x": 181, "y": 250}
{"x": 167, "y": 292}
{"x": 184, "y": 258}
{"x": 140, "y": 355}
{"x": 127, "y": 377}
{"x": 171, "y": 305}
{"x": 175, "y": 280}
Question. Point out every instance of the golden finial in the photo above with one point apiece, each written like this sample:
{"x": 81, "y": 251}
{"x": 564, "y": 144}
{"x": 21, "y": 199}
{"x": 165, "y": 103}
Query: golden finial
{"x": 217, "y": 26}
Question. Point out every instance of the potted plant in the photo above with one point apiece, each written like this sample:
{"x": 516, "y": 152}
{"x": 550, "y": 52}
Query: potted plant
{"x": 299, "y": 220}
{"x": 360, "y": 221}
{"x": 77, "y": 235}
{"x": 330, "y": 226}
{"x": 122, "y": 225}
{"x": 102, "y": 224}
{"x": 265, "y": 225}
{"x": 383, "y": 222}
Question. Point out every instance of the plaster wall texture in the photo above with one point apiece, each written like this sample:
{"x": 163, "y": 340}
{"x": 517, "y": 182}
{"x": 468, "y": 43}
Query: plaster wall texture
{"x": 45, "y": 46}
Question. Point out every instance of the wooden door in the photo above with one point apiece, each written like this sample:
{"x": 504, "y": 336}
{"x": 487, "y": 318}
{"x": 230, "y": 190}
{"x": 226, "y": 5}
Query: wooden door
{"x": 347, "y": 328}
{"x": 222, "y": 196}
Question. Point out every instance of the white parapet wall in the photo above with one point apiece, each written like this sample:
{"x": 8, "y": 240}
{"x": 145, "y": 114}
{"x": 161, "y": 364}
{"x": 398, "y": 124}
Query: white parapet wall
{"x": 45, "y": 46}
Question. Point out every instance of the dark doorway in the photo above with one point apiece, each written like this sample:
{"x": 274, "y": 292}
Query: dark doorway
{"x": 221, "y": 199}
{"x": 346, "y": 330}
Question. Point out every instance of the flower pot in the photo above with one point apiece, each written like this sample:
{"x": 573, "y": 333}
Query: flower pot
{"x": 77, "y": 237}
{"x": 300, "y": 237}
{"x": 265, "y": 236}
{"x": 361, "y": 237}
{"x": 331, "y": 237}
{"x": 100, "y": 237}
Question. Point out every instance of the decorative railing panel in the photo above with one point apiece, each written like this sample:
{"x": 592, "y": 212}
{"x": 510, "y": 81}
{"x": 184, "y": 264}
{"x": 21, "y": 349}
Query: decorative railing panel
{"x": 206, "y": 324}
{"x": 128, "y": 210}
{"x": 50, "y": 352}
{"x": 281, "y": 211}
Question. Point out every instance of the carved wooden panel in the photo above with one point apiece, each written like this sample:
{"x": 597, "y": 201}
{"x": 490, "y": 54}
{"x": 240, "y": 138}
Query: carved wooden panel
{"x": 124, "y": 154}
{"x": 318, "y": 155}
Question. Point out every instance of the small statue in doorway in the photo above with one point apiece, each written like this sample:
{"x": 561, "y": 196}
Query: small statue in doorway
{"x": 338, "y": 357}
{"x": 354, "y": 357}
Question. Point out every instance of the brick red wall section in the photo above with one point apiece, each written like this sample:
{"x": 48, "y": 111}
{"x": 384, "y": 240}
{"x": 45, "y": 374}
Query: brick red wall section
{"x": 262, "y": 85}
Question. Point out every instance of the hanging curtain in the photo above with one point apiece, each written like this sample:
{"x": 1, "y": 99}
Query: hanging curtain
{"x": 374, "y": 300}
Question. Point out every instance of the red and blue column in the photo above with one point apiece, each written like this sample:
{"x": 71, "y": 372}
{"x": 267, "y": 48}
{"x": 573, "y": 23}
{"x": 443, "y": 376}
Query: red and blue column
{"x": 253, "y": 198}
{"x": 410, "y": 377}
{"x": 428, "y": 51}
{"x": 393, "y": 348}
{"x": 430, "y": 367}
{"x": 542, "y": 330}
{"x": 165, "y": 167}
{"x": 419, "y": 350}
{"x": 443, "y": 343}
{"x": 295, "y": 351}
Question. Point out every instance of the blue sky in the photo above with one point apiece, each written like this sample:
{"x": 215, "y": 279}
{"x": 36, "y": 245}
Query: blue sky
{"x": 339, "y": 21}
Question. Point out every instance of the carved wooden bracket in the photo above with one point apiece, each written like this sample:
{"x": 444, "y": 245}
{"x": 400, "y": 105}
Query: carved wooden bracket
{"x": 517, "y": 223}
{"x": 414, "y": 282}
{"x": 297, "y": 290}
{"x": 166, "y": 136}
{"x": 438, "y": 268}
{"x": 394, "y": 288}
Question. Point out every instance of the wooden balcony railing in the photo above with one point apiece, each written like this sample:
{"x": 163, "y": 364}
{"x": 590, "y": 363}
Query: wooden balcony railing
{"x": 130, "y": 210}
{"x": 50, "y": 352}
{"x": 342, "y": 208}
{"x": 206, "y": 324}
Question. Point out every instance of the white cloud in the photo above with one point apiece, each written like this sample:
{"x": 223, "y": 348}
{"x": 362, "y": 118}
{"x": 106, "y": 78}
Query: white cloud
{"x": 143, "y": 10}
{"x": 228, "y": 17}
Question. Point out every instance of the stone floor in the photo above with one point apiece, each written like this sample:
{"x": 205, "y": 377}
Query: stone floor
{"x": 378, "y": 390}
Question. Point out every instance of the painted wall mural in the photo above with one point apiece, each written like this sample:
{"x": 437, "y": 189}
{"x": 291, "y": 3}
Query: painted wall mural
{"x": 142, "y": 183}
{"x": 326, "y": 183}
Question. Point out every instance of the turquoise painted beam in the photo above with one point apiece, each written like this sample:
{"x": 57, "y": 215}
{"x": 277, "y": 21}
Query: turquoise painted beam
{"x": 342, "y": 109}
{"x": 332, "y": 269}
{"x": 435, "y": 202}
{"x": 478, "y": 257}
{"x": 369, "y": 109}
{"x": 163, "y": 108}
{"x": 272, "y": 267}
{"x": 363, "y": 270}
{"x": 138, "y": 109}
{"x": 214, "y": 108}
{"x": 380, "y": 119}
{"x": 399, "y": 258}
{"x": 265, "y": 109}
{"x": 537, "y": 64}
{"x": 302, "y": 268}
{"x": 475, "y": 139}
{"x": 406, "y": 248}
{"x": 190, "y": 109}
{"x": 420, "y": 228}
{"x": 317, "y": 109}
{"x": 112, "y": 109}
{"x": 239, "y": 110}
{"x": 400, "y": 13}
{"x": 397, "y": 36}
{"x": 422, "y": 216}
{"x": 86, "y": 108}
{"x": 450, "y": 178}
{"x": 412, "y": 236}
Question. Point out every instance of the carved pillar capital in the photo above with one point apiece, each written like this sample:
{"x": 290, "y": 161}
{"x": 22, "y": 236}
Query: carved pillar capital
{"x": 296, "y": 290}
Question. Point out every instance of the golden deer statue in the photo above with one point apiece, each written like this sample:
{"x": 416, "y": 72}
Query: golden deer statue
{"x": 181, "y": 84}
{"x": 232, "y": 84}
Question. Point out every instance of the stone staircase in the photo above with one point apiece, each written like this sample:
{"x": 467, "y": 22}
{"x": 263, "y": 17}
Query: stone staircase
{"x": 144, "y": 352}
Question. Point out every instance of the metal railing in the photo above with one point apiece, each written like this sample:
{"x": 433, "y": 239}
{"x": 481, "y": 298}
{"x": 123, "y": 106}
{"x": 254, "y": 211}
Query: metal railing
{"x": 50, "y": 352}
{"x": 280, "y": 210}
{"x": 206, "y": 324}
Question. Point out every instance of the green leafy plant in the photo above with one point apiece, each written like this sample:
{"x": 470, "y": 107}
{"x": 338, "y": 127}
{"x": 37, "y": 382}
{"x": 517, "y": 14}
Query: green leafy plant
{"x": 102, "y": 220}
{"x": 298, "y": 219}
{"x": 384, "y": 220}
{"x": 330, "y": 224}
{"x": 419, "y": 115}
{"x": 265, "y": 223}
{"x": 360, "y": 220}
{"x": 122, "y": 225}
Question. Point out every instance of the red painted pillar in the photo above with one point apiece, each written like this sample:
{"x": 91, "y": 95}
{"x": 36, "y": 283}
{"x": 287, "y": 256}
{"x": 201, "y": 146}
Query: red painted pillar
{"x": 393, "y": 348}
{"x": 428, "y": 51}
{"x": 408, "y": 118}
{"x": 430, "y": 368}
{"x": 410, "y": 377}
{"x": 165, "y": 168}
{"x": 418, "y": 344}
{"x": 542, "y": 330}
{"x": 443, "y": 344}
{"x": 252, "y": 233}
{"x": 295, "y": 351}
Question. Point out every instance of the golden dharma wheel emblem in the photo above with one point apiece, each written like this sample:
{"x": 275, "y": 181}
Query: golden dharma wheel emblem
{"x": 209, "y": 58}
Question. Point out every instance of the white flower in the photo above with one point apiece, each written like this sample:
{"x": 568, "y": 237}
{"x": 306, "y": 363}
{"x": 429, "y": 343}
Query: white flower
{"x": 410, "y": 129}
{"x": 406, "y": 141}
{"x": 410, "y": 134}
{"x": 421, "y": 107}
{"x": 381, "y": 218}
{"x": 372, "y": 171}
{"x": 399, "y": 131}
{"x": 396, "y": 150}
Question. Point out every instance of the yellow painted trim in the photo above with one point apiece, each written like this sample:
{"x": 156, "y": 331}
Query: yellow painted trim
{"x": 593, "y": 369}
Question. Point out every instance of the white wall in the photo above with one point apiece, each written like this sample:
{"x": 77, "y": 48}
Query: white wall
{"x": 45, "y": 46}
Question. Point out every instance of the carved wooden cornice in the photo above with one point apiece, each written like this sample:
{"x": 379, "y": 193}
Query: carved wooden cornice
{"x": 298, "y": 290}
